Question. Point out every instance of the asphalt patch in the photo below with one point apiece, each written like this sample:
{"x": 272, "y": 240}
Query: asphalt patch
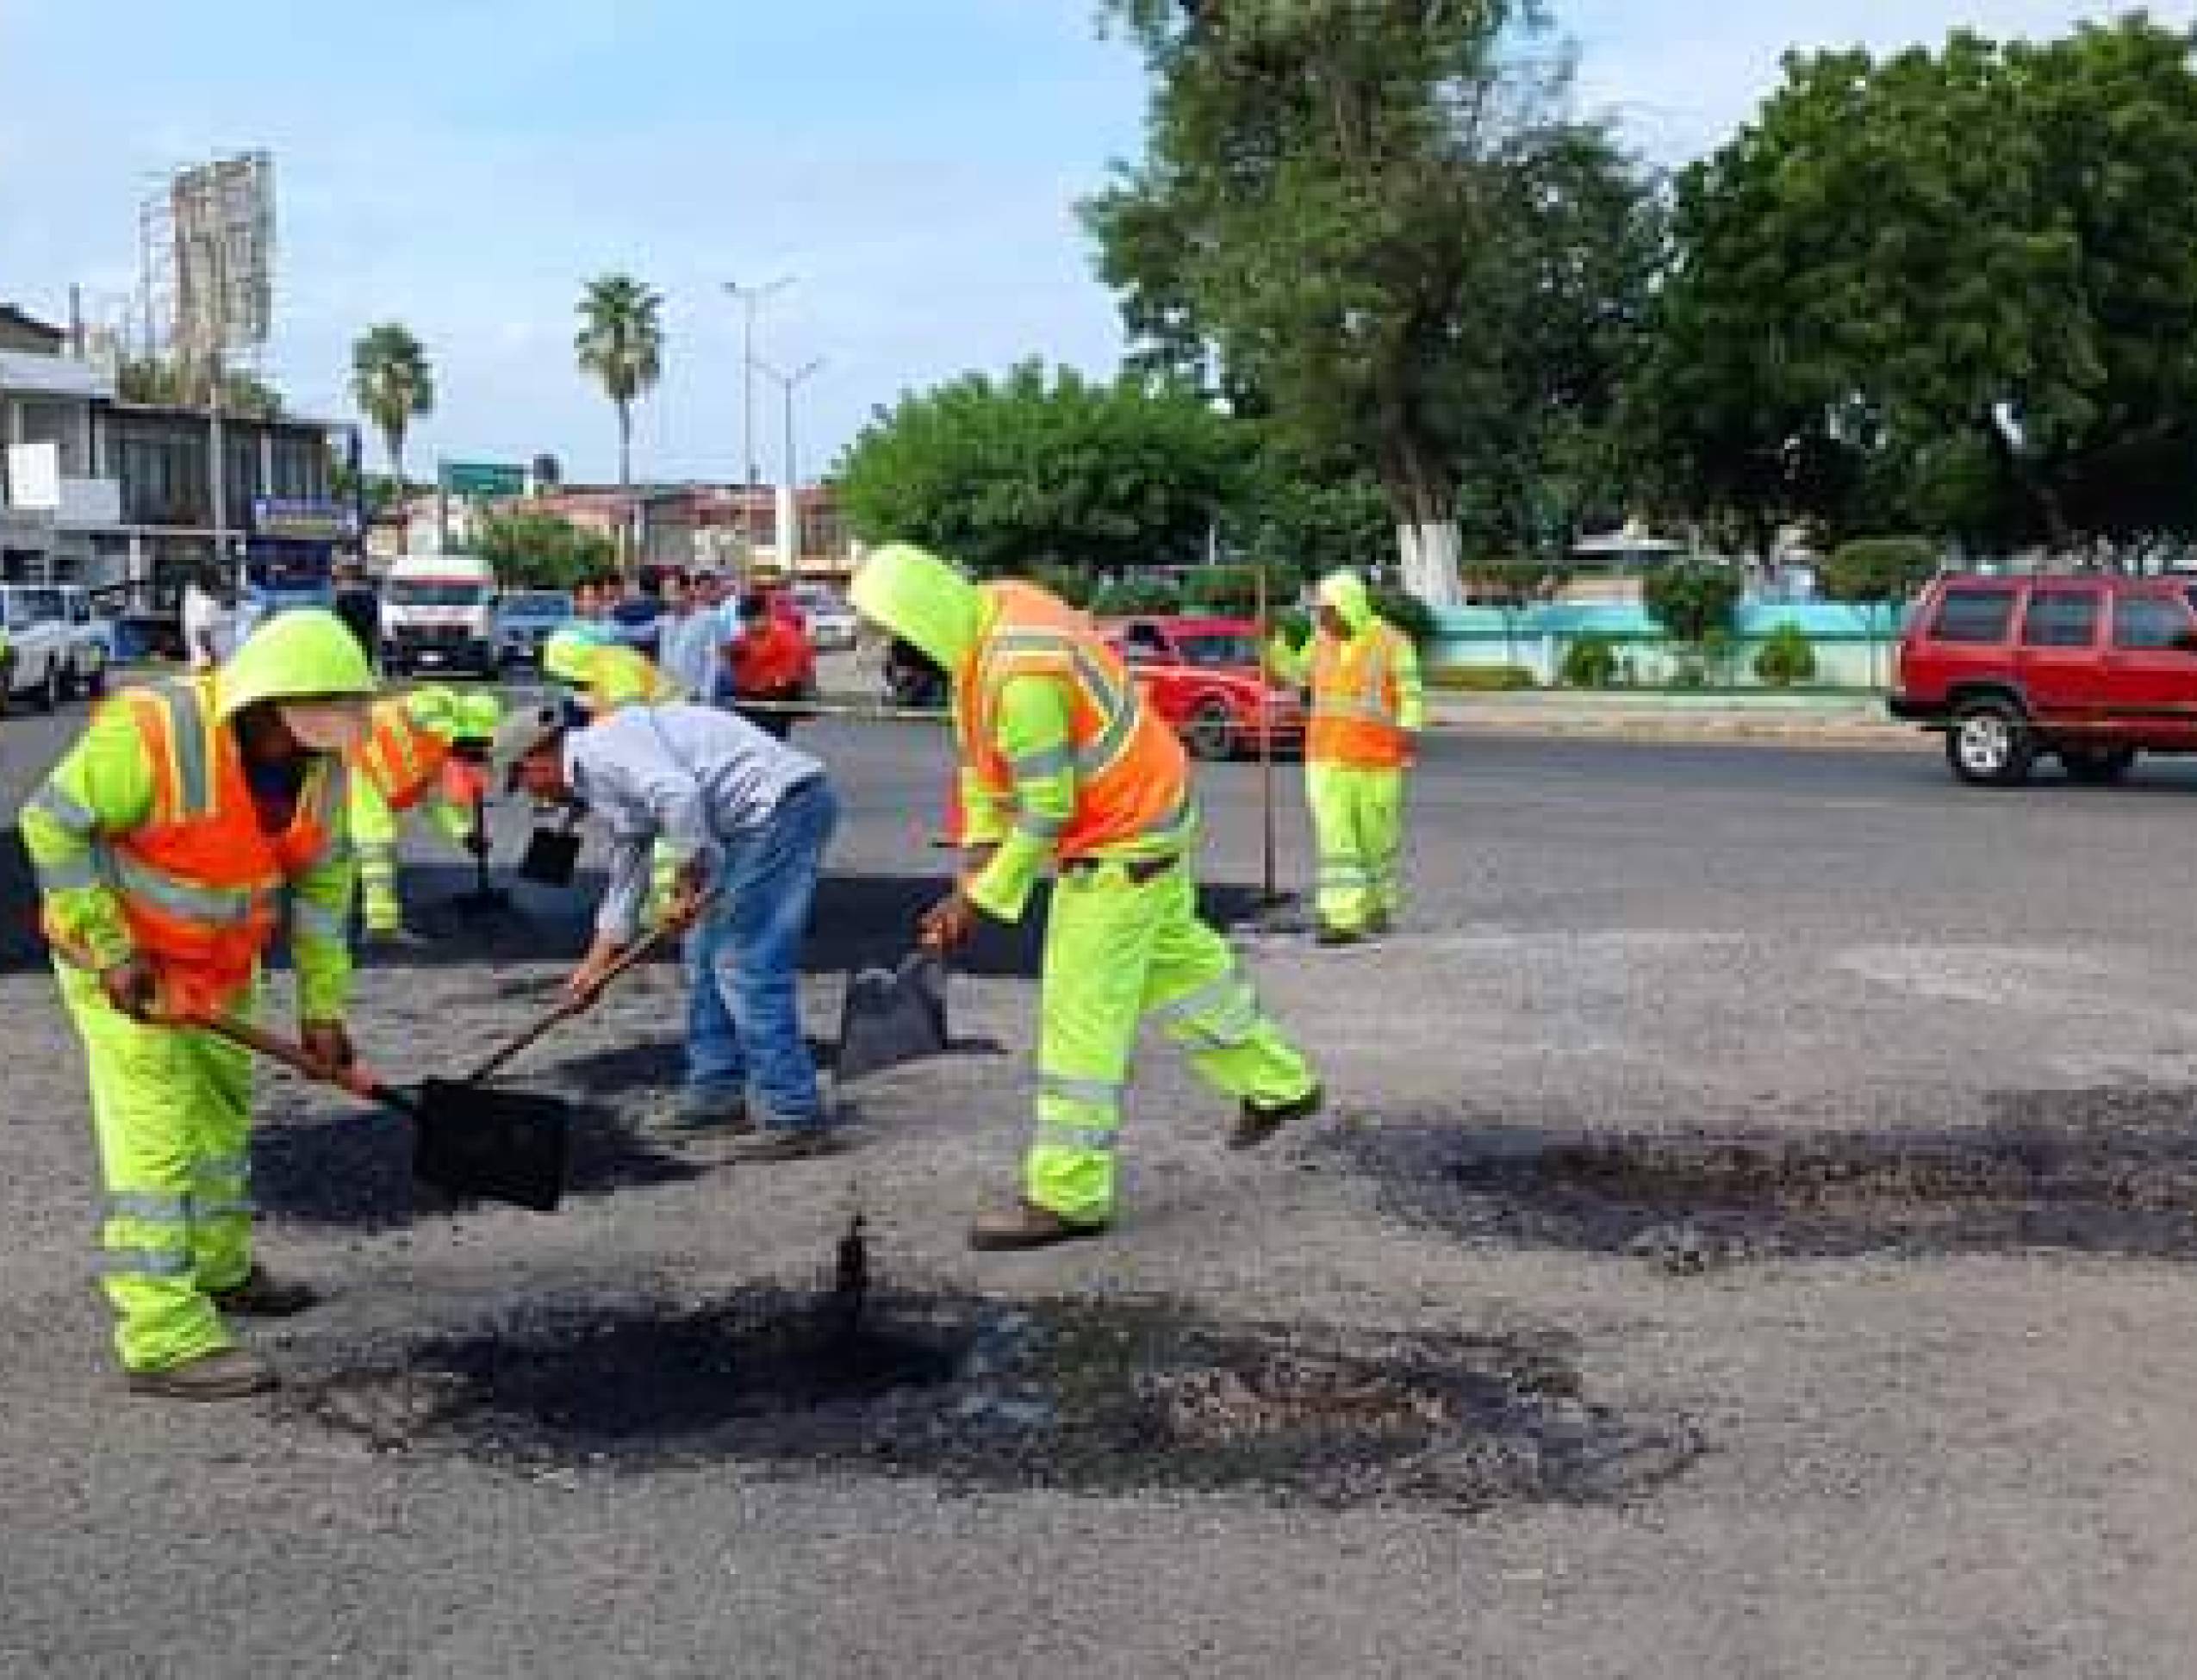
{"x": 978, "y": 1394}
{"x": 353, "y": 1166}
{"x": 2110, "y": 1172}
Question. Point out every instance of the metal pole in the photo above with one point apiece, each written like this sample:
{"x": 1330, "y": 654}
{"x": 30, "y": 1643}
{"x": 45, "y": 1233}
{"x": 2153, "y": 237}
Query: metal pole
{"x": 750, "y": 298}
{"x": 1269, "y": 893}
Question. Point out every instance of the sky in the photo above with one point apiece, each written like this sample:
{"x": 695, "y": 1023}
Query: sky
{"x": 463, "y": 167}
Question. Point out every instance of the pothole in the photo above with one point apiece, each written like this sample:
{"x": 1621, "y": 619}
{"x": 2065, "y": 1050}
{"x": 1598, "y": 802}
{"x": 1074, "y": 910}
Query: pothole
{"x": 2105, "y": 1172}
{"x": 1097, "y": 1395}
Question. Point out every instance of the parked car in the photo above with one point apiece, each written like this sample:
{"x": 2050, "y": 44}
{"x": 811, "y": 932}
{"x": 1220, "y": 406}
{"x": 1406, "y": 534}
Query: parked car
{"x": 524, "y": 619}
{"x": 438, "y": 613}
{"x": 831, "y": 623}
{"x": 1205, "y": 678}
{"x": 42, "y": 662}
{"x": 2092, "y": 670}
{"x": 91, "y": 642}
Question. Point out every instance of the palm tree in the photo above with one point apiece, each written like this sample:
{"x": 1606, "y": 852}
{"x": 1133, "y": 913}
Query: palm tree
{"x": 621, "y": 342}
{"x": 393, "y": 385}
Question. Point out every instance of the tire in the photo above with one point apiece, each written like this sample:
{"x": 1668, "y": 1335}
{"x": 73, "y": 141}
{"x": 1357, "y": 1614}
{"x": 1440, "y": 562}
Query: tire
{"x": 48, "y": 695}
{"x": 1212, "y": 733}
{"x": 1990, "y": 744}
{"x": 2097, "y": 766}
{"x": 95, "y": 686}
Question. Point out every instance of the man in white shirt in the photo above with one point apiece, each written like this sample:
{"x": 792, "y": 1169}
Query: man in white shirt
{"x": 748, "y": 820}
{"x": 208, "y": 621}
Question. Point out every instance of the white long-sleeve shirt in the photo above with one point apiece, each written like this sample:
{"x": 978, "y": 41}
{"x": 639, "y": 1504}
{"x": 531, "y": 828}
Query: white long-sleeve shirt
{"x": 689, "y": 775}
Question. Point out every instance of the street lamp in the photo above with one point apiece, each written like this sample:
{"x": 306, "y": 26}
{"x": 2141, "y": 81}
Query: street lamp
{"x": 750, "y": 298}
{"x": 789, "y": 511}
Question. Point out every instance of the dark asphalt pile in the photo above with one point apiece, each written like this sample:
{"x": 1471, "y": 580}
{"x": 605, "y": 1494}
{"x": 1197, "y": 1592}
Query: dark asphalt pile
{"x": 1112, "y": 1396}
{"x": 2106, "y": 1172}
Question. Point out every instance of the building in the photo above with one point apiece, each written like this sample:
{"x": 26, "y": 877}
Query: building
{"x": 120, "y": 495}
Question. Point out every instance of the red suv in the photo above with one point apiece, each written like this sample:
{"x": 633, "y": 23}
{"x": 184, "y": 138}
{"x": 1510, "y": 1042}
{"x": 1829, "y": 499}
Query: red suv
{"x": 2090, "y": 669}
{"x": 1204, "y": 676}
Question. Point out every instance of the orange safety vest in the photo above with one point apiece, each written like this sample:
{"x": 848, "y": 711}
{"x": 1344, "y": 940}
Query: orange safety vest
{"x": 199, "y": 880}
{"x": 1356, "y": 702}
{"x": 1132, "y": 780}
{"x": 402, "y": 760}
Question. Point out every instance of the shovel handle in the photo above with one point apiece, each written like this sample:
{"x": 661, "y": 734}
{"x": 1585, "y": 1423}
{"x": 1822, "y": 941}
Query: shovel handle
{"x": 632, "y": 957}
{"x": 355, "y": 1079}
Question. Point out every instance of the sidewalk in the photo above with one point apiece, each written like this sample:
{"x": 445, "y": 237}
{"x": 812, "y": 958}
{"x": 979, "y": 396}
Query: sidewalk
{"x": 1850, "y": 719}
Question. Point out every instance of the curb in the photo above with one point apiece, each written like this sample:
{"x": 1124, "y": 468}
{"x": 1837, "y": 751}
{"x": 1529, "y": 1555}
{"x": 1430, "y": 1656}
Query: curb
{"x": 1796, "y": 732}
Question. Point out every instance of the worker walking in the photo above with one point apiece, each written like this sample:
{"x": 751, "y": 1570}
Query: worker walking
{"x": 1367, "y": 702}
{"x": 745, "y": 821}
{"x": 427, "y": 751}
{"x": 1062, "y": 764}
{"x": 166, "y": 844}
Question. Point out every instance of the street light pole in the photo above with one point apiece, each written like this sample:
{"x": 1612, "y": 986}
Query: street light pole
{"x": 750, "y": 298}
{"x": 789, "y": 495}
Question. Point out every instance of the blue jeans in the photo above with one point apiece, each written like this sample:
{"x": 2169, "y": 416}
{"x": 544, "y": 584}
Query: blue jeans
{"x": 743, "y": 1018}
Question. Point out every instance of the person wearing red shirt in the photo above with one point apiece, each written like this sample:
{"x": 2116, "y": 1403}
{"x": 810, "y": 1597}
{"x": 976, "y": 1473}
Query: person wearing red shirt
{"x": 772, "y": 662}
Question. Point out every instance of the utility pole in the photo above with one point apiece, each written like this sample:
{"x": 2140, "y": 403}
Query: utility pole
{"x": 750, "y": 298}
{"x": 789, "y": 494}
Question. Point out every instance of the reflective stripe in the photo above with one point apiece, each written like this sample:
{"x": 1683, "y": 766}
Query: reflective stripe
{"x": 1116, "y": 707}
{"x": 222, "y": 1167}
{"x": 1049, "y": 763}
{"x": 1223, "y": 1015}
{"x": 1039, "y": 827}
{"x": 146, "y": 1262}
{"x": 68, "y": 874}
{"x": 218, "y": 904}
{"x": 187, "y": 727}
{"x": 154, "y": 1209}
{"x": 63, "y": 809}
{"x": 1112, "y": 741}
{"x": 1208, "y": 999}
{"x": 312, "y": 921}
{"x": 1094, "y": 1139}
{"x": 1095, "y": 1093}
{"x": 229, "y": 1210}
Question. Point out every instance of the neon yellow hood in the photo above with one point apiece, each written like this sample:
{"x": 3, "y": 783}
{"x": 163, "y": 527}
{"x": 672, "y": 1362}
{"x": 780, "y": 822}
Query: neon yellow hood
{"x": 453, "y": 716}
{"x": 304, "y": 653}
{"x": 1346, "y": 593}
{"x": 920, "y": 599}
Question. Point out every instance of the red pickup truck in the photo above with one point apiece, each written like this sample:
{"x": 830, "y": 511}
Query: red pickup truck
{"x": 1204, "y": 676}
{"x": 2089, "y": 669}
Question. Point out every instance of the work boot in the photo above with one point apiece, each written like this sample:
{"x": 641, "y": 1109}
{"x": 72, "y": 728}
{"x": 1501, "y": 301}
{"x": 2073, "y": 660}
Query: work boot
{"x": 1026, "y": 1225}
{"x": 227, "y": 1374}
{"x": 774, "y": 1143}
{"x": 1328, "y": 933}
{"x": 1257, "y": 1121}
{"x": 264, "y": 1295}
{"x": 701, "y": 1112}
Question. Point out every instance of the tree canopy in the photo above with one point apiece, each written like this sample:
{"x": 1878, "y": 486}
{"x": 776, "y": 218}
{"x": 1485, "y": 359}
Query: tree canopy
{"x": 532, "y": 548}
{"x": 1043, "y": 469}
{"x": 1950, "y": 290}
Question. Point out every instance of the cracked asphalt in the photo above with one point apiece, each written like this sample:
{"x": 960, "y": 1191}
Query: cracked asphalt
{"x": 1966, "y": 1457}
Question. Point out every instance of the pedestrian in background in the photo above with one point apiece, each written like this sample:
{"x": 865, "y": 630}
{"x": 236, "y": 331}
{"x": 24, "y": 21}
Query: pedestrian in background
{"x": 209, "y": 619}
{"x": 773, "y": 665}
{"x": 360, "y": 609}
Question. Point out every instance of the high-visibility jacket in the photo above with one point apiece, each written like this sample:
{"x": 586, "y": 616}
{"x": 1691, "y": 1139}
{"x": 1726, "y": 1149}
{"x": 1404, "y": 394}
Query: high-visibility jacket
{"x": 1132, "y": 781}
{"x": 405, "y": 761}
{"x": 200, "y": 879}
{"x": 1358, "y": 699}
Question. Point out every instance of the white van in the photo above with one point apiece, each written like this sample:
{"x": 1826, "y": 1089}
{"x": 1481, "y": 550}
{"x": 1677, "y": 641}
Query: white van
{"x": 438, "y": 614}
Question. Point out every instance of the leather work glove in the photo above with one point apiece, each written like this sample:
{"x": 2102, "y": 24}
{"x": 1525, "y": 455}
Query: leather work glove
{"x": 133, "y": 986}
{"x": 328, "y": 1042}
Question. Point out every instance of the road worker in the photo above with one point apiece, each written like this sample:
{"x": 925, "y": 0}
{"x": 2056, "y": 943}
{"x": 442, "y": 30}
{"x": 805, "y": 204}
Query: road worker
{"x": 427, "y": 751}
{"x": 1062, "y": 765}
{"x": 1367, "y": 703}
{"x": 167, "y": 845}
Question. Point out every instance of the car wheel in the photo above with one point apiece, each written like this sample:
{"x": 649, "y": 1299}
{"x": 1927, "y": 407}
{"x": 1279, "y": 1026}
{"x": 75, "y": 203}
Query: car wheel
{"x": 1989, "y": 744}
{"x": 1211, "y": 732}
{"x": 2097, "y": 766}
{"x": 48, "y": 697}
{"x": 95, "y": 684}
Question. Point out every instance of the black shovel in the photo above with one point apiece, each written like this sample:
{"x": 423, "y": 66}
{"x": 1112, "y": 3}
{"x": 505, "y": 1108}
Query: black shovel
{"x": 892, "y": 1016}
{"x": 552, "y": 854}
{"x": 467, "y": 1140}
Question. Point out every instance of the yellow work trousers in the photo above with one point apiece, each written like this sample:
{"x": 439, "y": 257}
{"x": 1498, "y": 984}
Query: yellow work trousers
{"x": 1119, "y": 950}
{"x": 170, "y": 1111}
{"x": 1358, "y": 831}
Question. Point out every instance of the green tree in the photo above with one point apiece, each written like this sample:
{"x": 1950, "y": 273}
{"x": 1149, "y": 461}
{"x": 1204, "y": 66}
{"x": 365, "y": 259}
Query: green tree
{"x": 620, "y": 344}
{"x": 1344, "y": 214}
{"x": 1046, "y": 470}
{"x": 533, "y": 550}
{"x": 1944, "y": 287}
{"x": 1880, "y": 574}
{"x": 1694, "y": 601}
{"x": 393, "y": 385}
{"x": 178, "y": 381}
{"x": 1786, "y": 656}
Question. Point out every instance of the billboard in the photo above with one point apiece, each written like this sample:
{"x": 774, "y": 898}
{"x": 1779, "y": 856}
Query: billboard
{"x": 224, "y": 219}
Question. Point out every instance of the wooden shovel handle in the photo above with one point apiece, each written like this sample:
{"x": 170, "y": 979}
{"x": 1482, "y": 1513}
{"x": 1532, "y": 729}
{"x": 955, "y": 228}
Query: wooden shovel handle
{"x": 294, "y": 1056}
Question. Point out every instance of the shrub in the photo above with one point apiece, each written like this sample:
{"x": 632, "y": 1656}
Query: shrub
{"x": 1136, "y": 596}
{"x": 1692, "y": 599}
{"x": 1480, "y": 679}
{"x": 1786, "y": 656}
{"x": 1232, "y": 591}
{"x": 1591, "y": 663}
{"x": 1071, "y": 583}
